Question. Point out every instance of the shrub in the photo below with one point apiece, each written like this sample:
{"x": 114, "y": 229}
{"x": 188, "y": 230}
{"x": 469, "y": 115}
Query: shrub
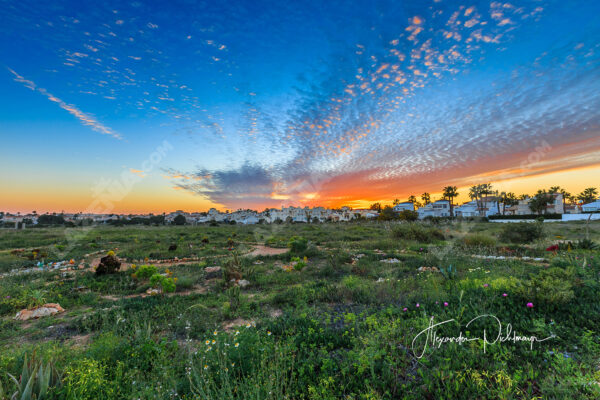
{"x": 85, "y": 379}
{"x": 167, "y": 285}
{"x": 478, "y": 240}
{"x": 418, "y": 232}
{"x": 521, "y": 232}
{"x": 145, "y": 272}
{"x": 298, "y": 244}
{"x": 408, "y": 215}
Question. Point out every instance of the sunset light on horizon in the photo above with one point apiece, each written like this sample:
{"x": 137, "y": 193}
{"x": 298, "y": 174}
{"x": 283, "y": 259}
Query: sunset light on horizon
{"x": 190, "y": 106}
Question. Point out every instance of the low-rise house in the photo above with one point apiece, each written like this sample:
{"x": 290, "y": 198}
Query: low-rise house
{"x": 406, "y": 206}
{"x": 440, "y": 208}
{"x": 594, "y": 206}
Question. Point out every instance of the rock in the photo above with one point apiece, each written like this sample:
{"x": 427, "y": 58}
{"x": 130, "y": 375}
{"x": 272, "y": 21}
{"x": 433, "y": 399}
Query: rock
{"x": 173, "y": 247}
{"x": 108, "y": 265}
{"x": 153, "y": 291}
{"x": 390, "y": 261}
{"x": 43, "y": 311}
{"x": 213, "y": 272}
{"x": 243, "y": 283}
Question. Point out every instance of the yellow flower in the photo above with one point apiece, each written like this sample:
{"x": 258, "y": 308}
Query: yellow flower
{"x": 207, "y": 342}
{"x": 237, "y": 333}
{"x": 214, "y": 341}
{"x": 237, "y": 345}
{"x": 133, "y": 266}
{"x": 215, "y": 333}
{"x": 269, "y": 333}
{"x": 206, "y": 367}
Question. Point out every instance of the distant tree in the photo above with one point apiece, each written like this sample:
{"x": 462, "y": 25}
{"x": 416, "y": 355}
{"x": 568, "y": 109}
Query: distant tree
{"x": 426, "y": 197}
{"x": 413, "y": 199}
{"x": 179, "y": 220}
{"x": 408, "y": 215}
{"x": 449, "y": 193}
{"x": 554, "y": 189}
{"x": 47, "y": 219}
{"x": 523, "y": 196}
{"x": 566, "y": 196}
{"x": 508, "y": 200}
{"x": 376, "y": 207}
{"x": 540, "y": 201}
{"x": 387, "y": 214}
{"x": 396, "y": 202}
{"x": 588, "y": 195}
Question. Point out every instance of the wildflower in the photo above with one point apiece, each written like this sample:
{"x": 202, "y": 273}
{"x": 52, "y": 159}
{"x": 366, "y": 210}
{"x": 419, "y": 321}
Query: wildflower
{"x": 215, "y": 333}
{"x": 445, "y": 304}
{"x": 233, "y": 364}
{"x": 405, "y": 309}
{"x": 248, "y": 325}
{"x": 237, "y": 345}
{"x": 237, "y": 333}
{"x": 504, "y": 294}
{"x": 418, "y": 305}
{"x": 529, "y": 305}
{"x": 214, "y": 341}
{"x": 268, "y": 333}
{"x": 207, "y": 342}
{"x": 485, "y": 285}
{"x": 206, "y": 367}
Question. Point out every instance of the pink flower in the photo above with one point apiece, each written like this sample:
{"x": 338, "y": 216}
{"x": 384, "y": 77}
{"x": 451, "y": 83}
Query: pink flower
{"x": 504, "y": 295}
{"x": 405, "y": 309}
{"x": 529, "y": 305}
{"x": 485, "y": 285}
{"x": 445, "y": 304}
{"x": 418, "y": 305}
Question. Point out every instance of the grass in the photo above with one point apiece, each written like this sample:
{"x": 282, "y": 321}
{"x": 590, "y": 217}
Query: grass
{"x": 340, "y": 327}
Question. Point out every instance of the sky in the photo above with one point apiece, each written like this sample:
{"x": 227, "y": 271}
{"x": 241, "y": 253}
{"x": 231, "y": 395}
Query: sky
{"x": 136, "y": 107}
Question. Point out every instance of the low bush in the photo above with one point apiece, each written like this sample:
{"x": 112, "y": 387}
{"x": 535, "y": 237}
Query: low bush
{"x": 478, "y": 240}
{"x": 298, "y": 244}
{"x": 144, "y": 271}
{"x": 417, "y": 232}
{"x": 521, "y": 232}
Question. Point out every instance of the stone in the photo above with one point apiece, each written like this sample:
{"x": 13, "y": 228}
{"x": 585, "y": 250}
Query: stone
{"x": 42, "y": 311}
{"x": 153, "y": 291}
{"x": 213, "y": 272}
{"x": 243, "y": 283}
{"x": 108, "y": 265}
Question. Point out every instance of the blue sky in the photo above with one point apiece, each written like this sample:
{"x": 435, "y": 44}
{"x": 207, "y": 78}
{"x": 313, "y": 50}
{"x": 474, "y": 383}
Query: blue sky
{"x": 294, "y": 102}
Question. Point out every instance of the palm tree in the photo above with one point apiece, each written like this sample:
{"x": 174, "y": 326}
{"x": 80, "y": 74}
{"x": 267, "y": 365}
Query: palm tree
{"x": 396, "y": 202}
{"x": 412, "y": 199}
{"x": 555, "y": 189}
{"x": 508, "y": 199}
{"x": 426, "y": 197}
{"x": 588, "y": 195}
{"x": 449, "y": 193}
{"x": 523, "y": 196}
{"x": 565, "y": 196}
{"x": 376, "y": 207}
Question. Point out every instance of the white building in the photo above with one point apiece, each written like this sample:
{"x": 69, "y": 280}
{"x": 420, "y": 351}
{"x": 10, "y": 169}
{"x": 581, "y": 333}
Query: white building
{"x": 591, "y": 207}
{"x": 440, "y": 208}
{"x": 406, "y": 206}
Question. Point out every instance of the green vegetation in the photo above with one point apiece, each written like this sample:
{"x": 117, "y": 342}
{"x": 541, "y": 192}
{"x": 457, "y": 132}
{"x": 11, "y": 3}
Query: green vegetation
{"x": 326, "y": 311}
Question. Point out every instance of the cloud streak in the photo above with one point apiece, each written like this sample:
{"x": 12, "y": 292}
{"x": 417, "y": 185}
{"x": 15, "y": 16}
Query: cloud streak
{"x": 84, "y": 118}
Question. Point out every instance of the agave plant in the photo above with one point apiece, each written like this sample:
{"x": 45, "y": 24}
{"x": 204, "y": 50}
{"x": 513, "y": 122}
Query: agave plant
{"x": 448, "y": 273}
{"x": 36, "y": 378}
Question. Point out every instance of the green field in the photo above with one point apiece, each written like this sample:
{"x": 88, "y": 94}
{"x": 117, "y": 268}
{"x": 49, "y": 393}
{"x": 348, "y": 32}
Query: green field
{"x": 334, "y": 315}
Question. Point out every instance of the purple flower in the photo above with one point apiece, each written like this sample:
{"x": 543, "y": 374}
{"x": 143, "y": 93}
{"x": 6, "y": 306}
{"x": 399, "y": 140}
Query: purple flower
{"x": 485, "y": 285}
{"x": 504, "y": 294}
{"x": 529, "y": 305}
{"x": 445, "y": 304}
{"x": 418, "y": 305}
{"x": 405, "y": 309}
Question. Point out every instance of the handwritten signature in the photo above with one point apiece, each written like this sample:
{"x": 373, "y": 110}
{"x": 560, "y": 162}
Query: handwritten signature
{"x": 432, "y": 339}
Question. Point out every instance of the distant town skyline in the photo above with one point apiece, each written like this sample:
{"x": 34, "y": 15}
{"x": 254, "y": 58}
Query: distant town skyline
{"x": 140, "y": 108}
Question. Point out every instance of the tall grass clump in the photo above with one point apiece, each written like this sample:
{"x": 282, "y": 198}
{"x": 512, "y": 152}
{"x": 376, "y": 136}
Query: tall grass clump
{"x": 521, "y": 232}
{"x": 417, "y": 232}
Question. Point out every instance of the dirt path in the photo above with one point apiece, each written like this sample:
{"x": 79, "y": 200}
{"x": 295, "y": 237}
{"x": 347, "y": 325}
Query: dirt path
{"x": 260, "y": 250}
